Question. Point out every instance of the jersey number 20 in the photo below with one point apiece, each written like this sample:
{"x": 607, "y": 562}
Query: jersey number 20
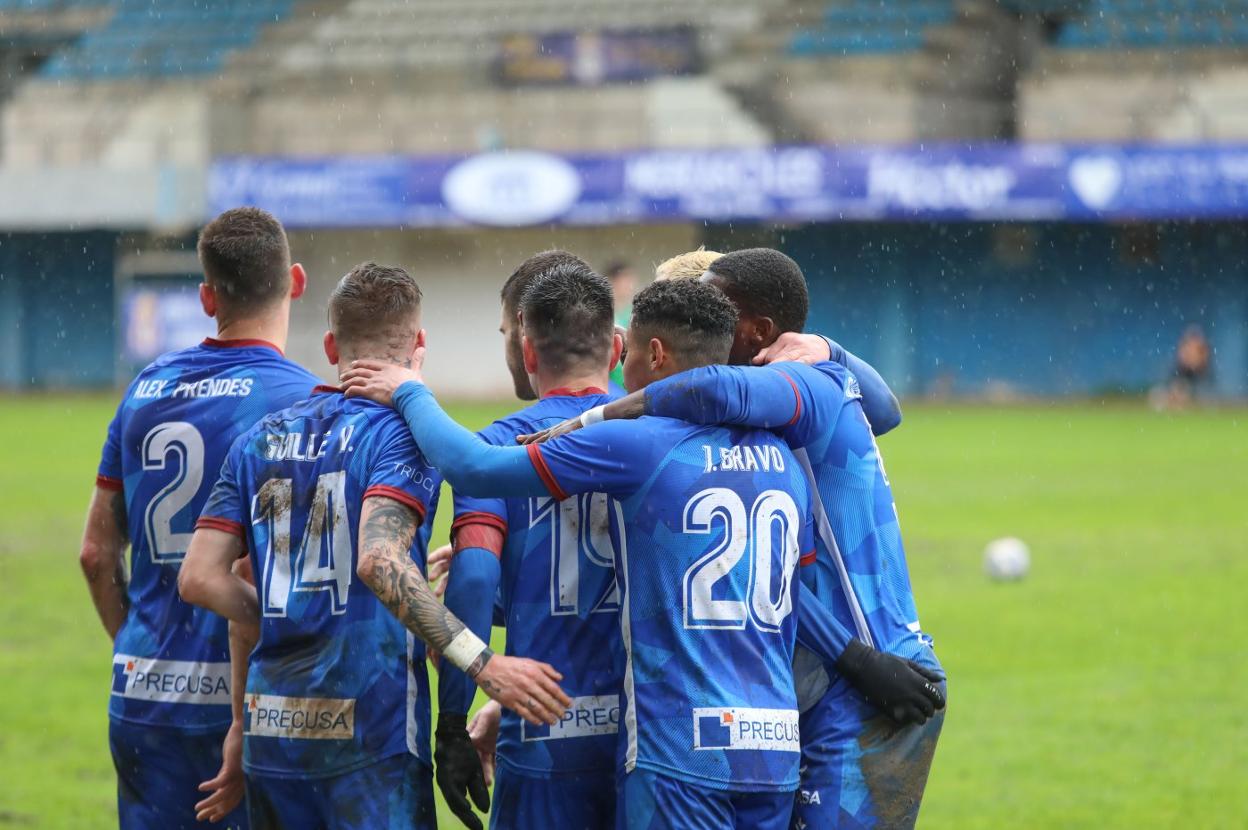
{"x": 323, "y": 562}
{"x": 773, "y": 516}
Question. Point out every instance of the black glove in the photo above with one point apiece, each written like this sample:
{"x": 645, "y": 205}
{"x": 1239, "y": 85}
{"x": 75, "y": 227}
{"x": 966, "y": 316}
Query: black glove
{"x": 458, "y": 769}
{"x": 902, "y": 689}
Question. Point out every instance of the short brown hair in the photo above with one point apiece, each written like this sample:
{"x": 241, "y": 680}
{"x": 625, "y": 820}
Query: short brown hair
{"x": 688, "y": 266}
{"x": 527, "y": 271}
{"x": 374, "y": 303}
{"x": 246, "y": 258}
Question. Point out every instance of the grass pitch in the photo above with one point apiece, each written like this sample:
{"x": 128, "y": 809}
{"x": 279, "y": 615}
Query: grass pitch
{"x": 1106, "y": 690}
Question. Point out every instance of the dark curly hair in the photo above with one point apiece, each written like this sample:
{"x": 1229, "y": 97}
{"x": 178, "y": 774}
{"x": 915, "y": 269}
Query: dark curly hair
{"x": 765, "y": 283}
{"x": 695, "y": 320}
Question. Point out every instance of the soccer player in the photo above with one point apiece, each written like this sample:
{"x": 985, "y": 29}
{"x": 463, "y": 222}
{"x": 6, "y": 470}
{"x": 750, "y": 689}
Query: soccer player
{"x": 170, "y": 704}
{"x": 867, "y": 744}
{"x": 323, "y": 492}
{"x": 553, "y": 561}
{"x": 707, "y": 540}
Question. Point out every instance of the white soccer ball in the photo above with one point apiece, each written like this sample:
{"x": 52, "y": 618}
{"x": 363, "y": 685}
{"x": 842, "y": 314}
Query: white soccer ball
{"x": 1007, "y": 560}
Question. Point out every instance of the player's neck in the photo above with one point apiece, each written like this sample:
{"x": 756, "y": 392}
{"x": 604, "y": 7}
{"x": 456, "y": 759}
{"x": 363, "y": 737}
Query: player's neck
{"x": 573, "y": 381}
{"x": 272, "y": 328}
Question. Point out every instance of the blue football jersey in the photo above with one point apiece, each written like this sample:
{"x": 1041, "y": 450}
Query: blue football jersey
{"x": 336, "y": 682}
{"x": 860, "y": 569}
{"x": 710, "y": 526}
{"x": 560, "y": 604}
{"x": 164, "y": 446}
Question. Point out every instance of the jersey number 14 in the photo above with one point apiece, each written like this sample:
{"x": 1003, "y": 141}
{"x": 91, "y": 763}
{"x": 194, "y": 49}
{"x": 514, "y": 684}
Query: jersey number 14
{"x": 323, "y": 561}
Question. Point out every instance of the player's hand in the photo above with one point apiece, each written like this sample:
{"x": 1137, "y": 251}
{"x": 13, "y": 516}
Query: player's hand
{"x": 527, "y": 687}
{"x": 570, "y": 425}
{"x": 227, "y": 788}
{"x": 483, "y": 729}
{"x": 795, "y": 347}
{"x": 438, "y": 567}
{"x": 904, "y": 690}
{"x": 458, "y": 769}
{"x": 378, "y": 381}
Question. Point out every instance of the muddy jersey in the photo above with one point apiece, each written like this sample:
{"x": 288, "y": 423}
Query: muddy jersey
{"x": 164, "y": 447}
{"x": 560, "y": 603}
{"x": 335, "y": 682}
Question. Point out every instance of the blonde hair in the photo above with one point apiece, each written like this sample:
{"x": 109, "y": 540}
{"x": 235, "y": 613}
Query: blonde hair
{"x": 686, "y": 266}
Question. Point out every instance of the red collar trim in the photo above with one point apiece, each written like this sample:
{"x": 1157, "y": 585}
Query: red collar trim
{"x": 241, "y": 344}
{"x": 325, "y": 388}
{"x": 564, "y": 392}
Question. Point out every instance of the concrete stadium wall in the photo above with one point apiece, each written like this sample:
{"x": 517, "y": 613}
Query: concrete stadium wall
{"x": 460, "y": 273}
{"x": 1042, "y": 309}
{"x": 56, "y": 309}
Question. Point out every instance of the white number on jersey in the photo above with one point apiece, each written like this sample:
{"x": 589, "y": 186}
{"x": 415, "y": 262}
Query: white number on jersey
{"x": 579, "y": 523}
{"x": 186, "y": 445}
{"x": 323, "y": 562}
{"x": 752, "y": 535}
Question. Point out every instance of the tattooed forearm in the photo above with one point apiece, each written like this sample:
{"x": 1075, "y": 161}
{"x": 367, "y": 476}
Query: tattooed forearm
{"x": 386, "y": 532}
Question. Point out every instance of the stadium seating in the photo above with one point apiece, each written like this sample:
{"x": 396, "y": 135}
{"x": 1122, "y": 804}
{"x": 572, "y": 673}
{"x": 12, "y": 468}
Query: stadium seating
{"x": 1157, "y": 24}
{"x": 174, "y": 37}
{"x": 870, "y": 26}
{"x": 436, "y": 35}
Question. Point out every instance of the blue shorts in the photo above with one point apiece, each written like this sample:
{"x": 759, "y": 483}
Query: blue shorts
{"x": 577, "y": 802}
{"x": 159, "y": 771}
{"x": 859, "y": 768}
{"x": 392, "y": 794}
{"x": 656, "y": 802}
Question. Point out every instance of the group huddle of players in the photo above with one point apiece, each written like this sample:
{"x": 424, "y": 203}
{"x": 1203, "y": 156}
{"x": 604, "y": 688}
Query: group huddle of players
{"x": 708, "y": 611}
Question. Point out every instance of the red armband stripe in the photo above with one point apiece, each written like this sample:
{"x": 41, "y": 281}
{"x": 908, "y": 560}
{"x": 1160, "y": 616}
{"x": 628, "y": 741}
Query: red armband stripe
{"x": 400, "y": 496}
{"x": 218, "y": 523}
{"x": 108, "y": 482}
{"x": 479, "y": 517}
{"x": 807, "y": 558}
{"x": 797, "y": 413}
{"x": 544, "y": 473}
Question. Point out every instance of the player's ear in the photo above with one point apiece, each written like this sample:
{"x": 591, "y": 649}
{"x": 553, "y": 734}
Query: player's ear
{"x": 420, "y": 340}
{"x": 617, "y": 348}
{"x": 530, "y": 355}
{"x": 658, "y": 355}
{"x": 331, "y": 348}
{"x": 761, "y": 332}
{"x": 208, "y": 299}
{"x": 298, "y": 281}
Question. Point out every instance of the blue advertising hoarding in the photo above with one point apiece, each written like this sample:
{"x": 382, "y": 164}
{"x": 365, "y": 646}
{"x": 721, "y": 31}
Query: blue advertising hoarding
{"x": 774, "y": 184}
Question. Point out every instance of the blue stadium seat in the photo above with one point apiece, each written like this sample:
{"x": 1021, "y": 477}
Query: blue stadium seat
{"x": 153, "y": 38}
{"x": 870, "y": 26}
{"x": 1151, "y": 24}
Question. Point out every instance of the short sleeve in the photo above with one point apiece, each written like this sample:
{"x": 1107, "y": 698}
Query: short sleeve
{"x": 611, "y": 457}
{"x": 806, "y": 539}
{"x": 398, "y": 471}
{"x": 109, "y": 474}
{"x": 225, "y": 509}
{"x": 821, "y": 395}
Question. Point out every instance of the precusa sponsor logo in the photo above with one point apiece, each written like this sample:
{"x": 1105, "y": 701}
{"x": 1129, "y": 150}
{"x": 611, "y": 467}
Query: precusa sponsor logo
{"x": 589, "y": 715}
{"x": 171, "y": 681}
{"x": 311, "y": 718}
{"x": 741, "y": 728}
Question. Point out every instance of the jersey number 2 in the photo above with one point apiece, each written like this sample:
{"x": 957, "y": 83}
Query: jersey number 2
{"x": 182, "y": 441}
{"x": 742, "y": 534}
{"x": 323, "y": 562}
